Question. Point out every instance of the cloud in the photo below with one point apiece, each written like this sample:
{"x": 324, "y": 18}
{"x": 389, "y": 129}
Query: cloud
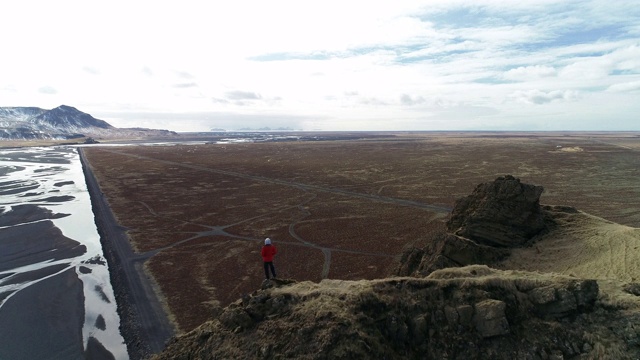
{"x": 91, "y": 70}
{"x": 184, "y": 75}
{"x": 409, "y": 101}
{"x": 185, "y": 85}
{"x": 524, "y": 73}
{"x": 597, "y": 67}
{"x": 47, "y": 90}
{"x": 242, "y": 95}
{"x": 624, "y": 87}
{"x": 539, "y": 97}
{"x": 243, "y": 98}
{"x": 466, "y": 113}
{"x": 10, "y": 88}
{"x": 220, "y": 101}
{"x": 373, "y": 101}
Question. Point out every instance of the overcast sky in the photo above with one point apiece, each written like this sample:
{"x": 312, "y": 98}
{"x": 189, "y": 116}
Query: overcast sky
{"x": 330, "y": 65}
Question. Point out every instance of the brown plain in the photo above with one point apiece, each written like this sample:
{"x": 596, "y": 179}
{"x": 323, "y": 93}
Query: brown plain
{"x": 334, "y": 209}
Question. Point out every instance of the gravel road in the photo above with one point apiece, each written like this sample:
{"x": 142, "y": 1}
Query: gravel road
{"x": 144, "y": 323}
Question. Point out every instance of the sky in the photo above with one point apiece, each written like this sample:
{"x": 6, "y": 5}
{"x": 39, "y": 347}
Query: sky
{"x": 530, "y": 65}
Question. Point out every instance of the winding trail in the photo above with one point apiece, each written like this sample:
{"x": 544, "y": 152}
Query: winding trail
{"x": 220, "y": 229}
{"x": 326, "y": 266}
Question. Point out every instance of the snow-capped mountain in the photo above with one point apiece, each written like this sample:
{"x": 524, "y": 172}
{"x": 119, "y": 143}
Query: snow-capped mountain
{"x": 70, "y": 119}
{"x": 63, "y": 122}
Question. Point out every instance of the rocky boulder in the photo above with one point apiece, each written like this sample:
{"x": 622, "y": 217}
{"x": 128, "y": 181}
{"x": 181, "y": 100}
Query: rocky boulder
{"x": 502, "y": 213}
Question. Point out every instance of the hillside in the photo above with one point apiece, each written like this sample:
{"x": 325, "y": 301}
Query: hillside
{"x": 562, "y": 286}
{"x": 585, "y": 246}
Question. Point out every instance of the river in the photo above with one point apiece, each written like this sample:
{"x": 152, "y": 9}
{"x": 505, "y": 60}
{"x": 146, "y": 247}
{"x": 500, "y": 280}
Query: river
{"x": 56, "y": 299}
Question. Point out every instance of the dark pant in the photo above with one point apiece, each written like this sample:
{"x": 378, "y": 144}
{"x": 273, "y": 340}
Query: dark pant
{"x": 267, "y": 266}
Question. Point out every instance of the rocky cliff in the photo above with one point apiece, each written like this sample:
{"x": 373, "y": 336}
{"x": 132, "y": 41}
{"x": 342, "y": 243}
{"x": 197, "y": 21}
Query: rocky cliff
{"x": 483, "y": 226}
{"x": 502, "y": 213}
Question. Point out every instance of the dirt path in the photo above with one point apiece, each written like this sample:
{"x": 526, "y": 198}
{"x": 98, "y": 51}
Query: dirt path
{"x": 220, "y": 231}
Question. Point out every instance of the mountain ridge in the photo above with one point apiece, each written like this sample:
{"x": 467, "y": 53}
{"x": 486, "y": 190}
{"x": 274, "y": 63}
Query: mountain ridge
{"x": 61, "y": 123}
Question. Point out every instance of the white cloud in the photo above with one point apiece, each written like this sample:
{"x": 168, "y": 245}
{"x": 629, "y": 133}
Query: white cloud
{"x": 524, "y": 73}
{"x": 600, "y": 66}
{"x": 409, "y": 101}
{"x": 539, "y": 97}
{"x": 242, "y": 95}
{"x": 625, "y": 87}
{"x": 47, "y": 90}
{"x": 185, "y": 85}
{"x": 91, "y": 70}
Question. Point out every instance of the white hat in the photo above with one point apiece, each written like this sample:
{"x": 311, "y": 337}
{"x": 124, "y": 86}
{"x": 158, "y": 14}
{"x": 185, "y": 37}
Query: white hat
{"x": 267, "y": 241}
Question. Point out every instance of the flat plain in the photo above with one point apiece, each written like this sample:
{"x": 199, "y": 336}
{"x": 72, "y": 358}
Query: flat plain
{"x": 334, "y": 209}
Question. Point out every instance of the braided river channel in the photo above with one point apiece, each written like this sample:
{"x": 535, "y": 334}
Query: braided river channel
{"x": 56, "y": 299}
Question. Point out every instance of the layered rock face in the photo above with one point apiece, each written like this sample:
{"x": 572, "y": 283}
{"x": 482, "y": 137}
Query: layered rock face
{"x": 502, "y": 213}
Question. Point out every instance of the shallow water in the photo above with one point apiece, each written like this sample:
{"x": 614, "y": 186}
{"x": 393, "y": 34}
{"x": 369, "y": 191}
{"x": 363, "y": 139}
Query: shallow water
{"x": 52, "y": 182}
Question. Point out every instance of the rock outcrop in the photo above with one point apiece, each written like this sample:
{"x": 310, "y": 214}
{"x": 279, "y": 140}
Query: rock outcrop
{"x": 447, "y": 250}
{"x": 482, "y": 227}
{"x": 463, "y": 313}
{"x": 502, "y": 213}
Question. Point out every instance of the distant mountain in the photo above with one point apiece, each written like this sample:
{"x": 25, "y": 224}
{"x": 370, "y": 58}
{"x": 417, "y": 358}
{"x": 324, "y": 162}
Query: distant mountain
{"x": 70, "y": 118}
{"x": 63, "y": 122}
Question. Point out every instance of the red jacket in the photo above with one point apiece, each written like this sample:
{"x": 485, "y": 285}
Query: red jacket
{"x": 268, "y": 251}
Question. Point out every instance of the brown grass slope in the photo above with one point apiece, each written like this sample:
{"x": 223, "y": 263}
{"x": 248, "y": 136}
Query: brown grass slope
{"x": 585, "y": 246}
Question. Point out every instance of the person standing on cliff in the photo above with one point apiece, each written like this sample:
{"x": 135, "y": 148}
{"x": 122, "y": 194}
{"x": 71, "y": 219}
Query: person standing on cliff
{"x": 268, "y": 252}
